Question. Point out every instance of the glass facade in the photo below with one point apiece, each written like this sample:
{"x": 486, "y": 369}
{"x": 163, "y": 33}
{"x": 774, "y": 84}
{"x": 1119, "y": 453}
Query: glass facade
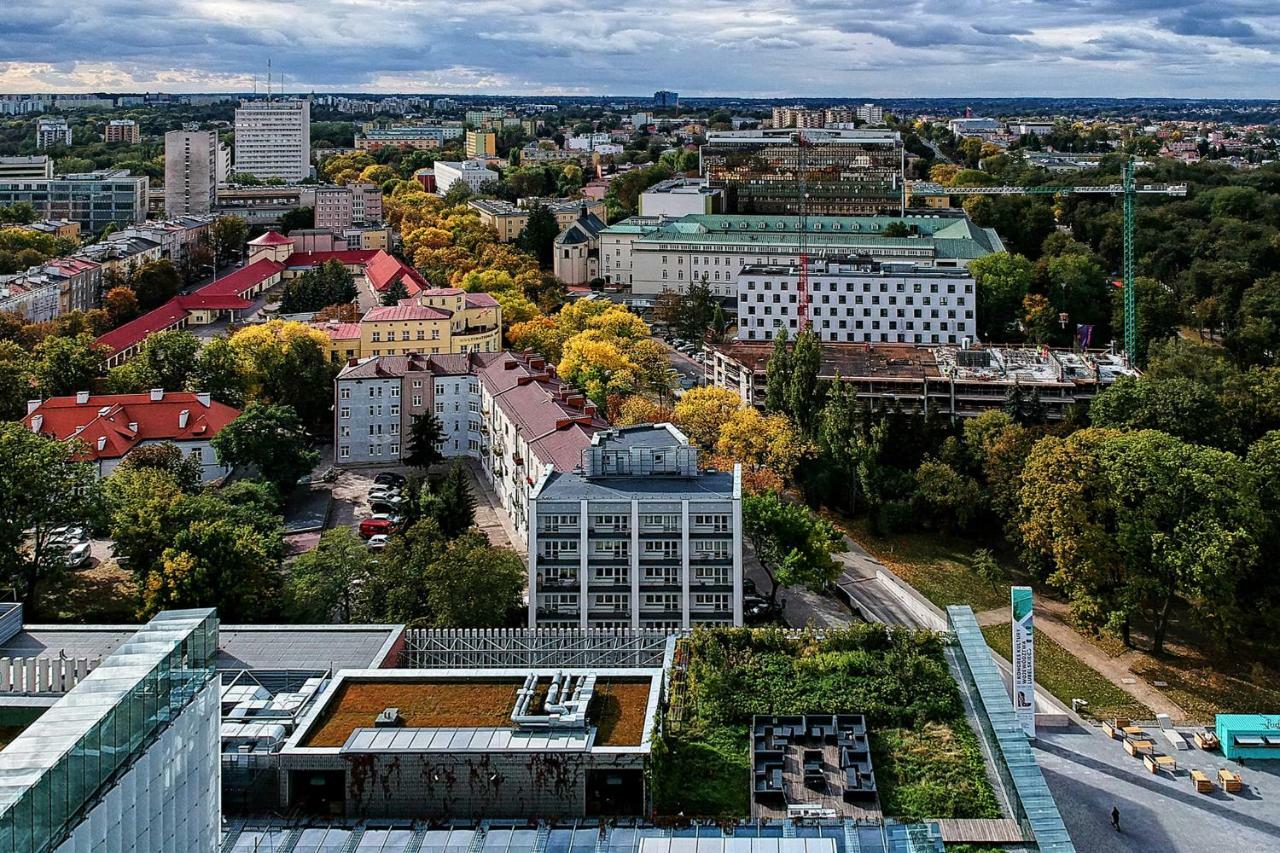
{"x": 1033, "y": 803}
{"x": 54, "y": 772}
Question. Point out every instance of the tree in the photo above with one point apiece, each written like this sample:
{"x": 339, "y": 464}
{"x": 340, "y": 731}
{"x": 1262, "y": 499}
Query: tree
{"x": 1180, "y": 407}
{"x": 395, "y": 293}
{"x": 166, "y": 456}
{"x": 65, "y": 365}
{"x": 288, "y": 363}
{"x": 270, "y": 439}
{"x": 794, "y": 546}
{"x": 298, "y": 218}
{"x": 216, "y": 563}
{"x": 121, "y": 305}
{"x": 325, "y": 582}
{"x": 43, "y": 483}
{"x": 539, "y": 234}
{"x": 155, "y": 283}
{"x": 142, "y": 503}
{"x": 702, "y": 412}
{"x": 457, "y": 194}
{"x": 474, "y": 585}
{"x": 15, "y": 380}
{"x": 165, "y": 360}
{"x": 426, "y": 434}
{"x": 219, "y": 371}
{"x": 454, "y": 506}
{"x": 804, "y": 396}
{"x": 762, "y": 442}
{"x": 1002, "y": 280}
{"x": 331, "y": 283}
{"x": 949, "y": 498}
{"x": 777, "y": 373}
{"x": 227, "y": 235}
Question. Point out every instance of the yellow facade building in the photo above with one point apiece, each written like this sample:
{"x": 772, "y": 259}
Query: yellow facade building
{"x": 481, "y": 143}
{"x": 435, "y": 322}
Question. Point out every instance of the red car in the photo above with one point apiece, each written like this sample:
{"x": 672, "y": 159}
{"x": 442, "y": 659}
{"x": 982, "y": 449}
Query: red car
{"x": 373, "y": 526}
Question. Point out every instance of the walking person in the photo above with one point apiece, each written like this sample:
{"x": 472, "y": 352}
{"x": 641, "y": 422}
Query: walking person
{"x": 1115, "y": 818}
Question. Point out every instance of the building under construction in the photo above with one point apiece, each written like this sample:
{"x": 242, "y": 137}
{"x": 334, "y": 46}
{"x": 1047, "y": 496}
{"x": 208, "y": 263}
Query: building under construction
{"x": 950, "y": 380}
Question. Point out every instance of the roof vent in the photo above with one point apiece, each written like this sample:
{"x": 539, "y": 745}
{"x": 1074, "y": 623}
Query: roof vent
{"x": 37, "y": 422}
{"x": 102, "y": 442}
{"x": 183, "y": 417}
{"x": 157, "y": 394}
{"x": 32, "y": 405}
{"x": 389, "y": 719}
{"x": 82, "y": 397}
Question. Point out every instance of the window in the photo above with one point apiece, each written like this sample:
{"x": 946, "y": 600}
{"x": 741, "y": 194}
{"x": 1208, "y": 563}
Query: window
{"x": 344, "y": 452}
{"x": 417, "y": 383}
{"x": 395, "y": 391}
{"x": 344, "y": 393}
{"x": 395, "y": 450}
{"x": 344, "y": 412}
{"x": 666, "y": 549}
{"x": 556, "y": 548}
{"x": 612, "y": 601}
{"x": 661, "y": 601}
{"x": 552, "y": 523}
{"x": 711, "y": 601}
{"x": 395, "y": 411}
{"x": 611, "y": 523}
{"x": 610, "y": 549}
{"x": 710, "y": 549}
{"x": 344, "y": 432}
{"x": 718, "y": 522}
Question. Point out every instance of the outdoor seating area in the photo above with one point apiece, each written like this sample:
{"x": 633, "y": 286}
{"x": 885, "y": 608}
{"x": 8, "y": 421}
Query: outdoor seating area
{"x": 1202, "y": 783}
{"x": 820, "y": 760}
{"x": 1230, "y": 781}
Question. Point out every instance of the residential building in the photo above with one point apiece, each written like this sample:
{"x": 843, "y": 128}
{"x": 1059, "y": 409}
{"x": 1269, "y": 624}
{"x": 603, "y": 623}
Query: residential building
{"x": 838, "y": 116}
{"x": 576, "y": 250}
{"x": 970, "y": 126}
{"x": 847, "y": 172}
{"x": 663, "y": 99}
{"x": 176, "y": 237}
{"x": 337, "y": 208}
{"x": 473, "y": 173}
{"x": 481, "y": 117}
{"x": 510, "y": 219}
{"x": 38, "y": 166}
{"x": 784, "y": 117}
{"x": 859, "y": 300}
{"x": 436, "y": 321}
{"x": 1031, "y": 128}
{"x": 122, "y": 130}
{"x": 417, "y": 136}
{"x": 127, "y": 760}
{"x": 94, "y": 200}
{"x": 444, "y": 105}
{"x": 942, "y": 380}
{"x": 481, "y": 144}
{"x": 52, "y": 132}
{"x": 111, "y": 426}
{"x": 681, "y": 197}
{"x": 55, "y": 228}
{"x": 49, "y": 290}
{"x": 546, "y": 151}
{"x": 636, "y": 536}
{"x": 191, "y": 172}
{"x": 653, "y": 254}
{"x": 121, "y": 257}
{"x": 871, "y": 114}
{"x": 82, "y": 102}
{"x": 273, "y": 139}
{"x": 263, "y": 205}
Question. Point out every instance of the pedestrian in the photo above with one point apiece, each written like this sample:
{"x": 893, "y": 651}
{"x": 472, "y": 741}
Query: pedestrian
{"x": 1115, "y": 818}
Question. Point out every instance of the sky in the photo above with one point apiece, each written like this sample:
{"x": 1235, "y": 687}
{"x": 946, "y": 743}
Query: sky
{"x": 750, "y": 48}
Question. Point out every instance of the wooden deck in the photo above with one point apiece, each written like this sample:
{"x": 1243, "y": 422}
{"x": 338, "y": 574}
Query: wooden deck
{"x": 830, "y": 796}
{"x": 958, "y": 831}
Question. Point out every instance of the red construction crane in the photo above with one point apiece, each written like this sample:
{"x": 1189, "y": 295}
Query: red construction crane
{"x": 802, "y": 226}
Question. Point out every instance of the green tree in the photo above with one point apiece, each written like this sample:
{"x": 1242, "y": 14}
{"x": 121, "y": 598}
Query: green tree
{"x": 1158, "y": 314}
{"x": 458, "y": 193}
{"x": 474, "y": 585}
{"x": 270, "y": 439}
{"x": 454, "y": 508}
{"x": 777, "y": 373}
{"x": 426, "y": 434}
{"x": 1002, "y": 280}
{"x": 165, "y": 360}
{"x": 43, "y": 484}
{"x": 1180, "y": 407}
{"x": 227, "y": 235}
{"x": 794, "y": 546}
{"x": 218, "y": 370}
{"x": 331, "y": 283}
{"x": 65, "y": 365}
{"x": 15, "y": 380}
{"x": 166, "y": 456}
{"x": 952, "y": 500}
{"x": 325, "y": 583}
{"x": 539, "y": 234}
{"x": 216, "y": 563}
{"x": 298, "y": 218}
{"x": 395, "y": 293}
{"x": 141, "y": 506}
{"x": 155, "y": 283}
{"x": 804, "y": 395}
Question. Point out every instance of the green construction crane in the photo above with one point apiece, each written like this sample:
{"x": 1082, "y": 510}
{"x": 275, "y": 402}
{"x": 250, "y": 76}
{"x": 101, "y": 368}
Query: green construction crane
{"x": 1127, "y": 189}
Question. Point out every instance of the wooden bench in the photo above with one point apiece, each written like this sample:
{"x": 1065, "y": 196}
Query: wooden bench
{"x": 1111, "y": 731}
{"x": 1230, "y": 781}
{"x": 1206, "y": 740}
{"x": 1137, "y": 747}
{"x": 1203, "y": 784}
{"x": 1155, "y": 762}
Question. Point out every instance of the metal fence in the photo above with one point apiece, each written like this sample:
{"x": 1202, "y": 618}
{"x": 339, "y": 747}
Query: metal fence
{"x": 535, "y": 647}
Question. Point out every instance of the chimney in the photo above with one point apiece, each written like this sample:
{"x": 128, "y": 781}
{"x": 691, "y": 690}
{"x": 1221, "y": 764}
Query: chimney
{"x": 82, "y": 397}
{"x": 32, "y": 405}
{"x": 204, "y": 398}
{"x": 157, "y": 394}
{"x": 102, "y": 443}
{"x": 183, "y": 417}
{"x": 37, "y": 422}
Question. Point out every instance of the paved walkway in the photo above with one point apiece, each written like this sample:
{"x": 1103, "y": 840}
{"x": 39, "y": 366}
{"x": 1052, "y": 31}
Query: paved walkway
{"x": 491, "y": 518}
{"x": 1050, "y": 620}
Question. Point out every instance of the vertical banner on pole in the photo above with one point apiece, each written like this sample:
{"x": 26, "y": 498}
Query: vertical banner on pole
{"x": 1024, "y": 662}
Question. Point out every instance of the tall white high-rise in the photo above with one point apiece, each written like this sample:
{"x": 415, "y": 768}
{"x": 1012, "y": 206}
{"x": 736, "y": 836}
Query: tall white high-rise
{"x": 273, "y": 139}
{"x": 190, "y": 172}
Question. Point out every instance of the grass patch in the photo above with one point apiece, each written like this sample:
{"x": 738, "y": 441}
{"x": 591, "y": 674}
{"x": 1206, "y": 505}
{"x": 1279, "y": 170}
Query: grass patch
{"x": 938, "y": 566}
{"x": 935, "y": 768}
{"x": 103, "y": 593}
{"x": 1204, "y": 688}
{"x": 898, "y": 679}
{"x": 1067, "y": 677}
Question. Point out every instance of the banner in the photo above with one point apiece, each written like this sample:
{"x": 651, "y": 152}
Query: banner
{"x": 1024, "y": 662}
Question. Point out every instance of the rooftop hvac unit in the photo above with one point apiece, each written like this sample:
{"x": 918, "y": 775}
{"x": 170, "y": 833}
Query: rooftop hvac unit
{"x": 389, "y": 718}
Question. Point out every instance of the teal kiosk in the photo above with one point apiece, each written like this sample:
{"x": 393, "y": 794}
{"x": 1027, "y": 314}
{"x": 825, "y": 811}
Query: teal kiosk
{"x": 1249, "y": 736}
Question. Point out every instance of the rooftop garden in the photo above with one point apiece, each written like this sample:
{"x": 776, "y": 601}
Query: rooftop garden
{"x": 926, "y": 758}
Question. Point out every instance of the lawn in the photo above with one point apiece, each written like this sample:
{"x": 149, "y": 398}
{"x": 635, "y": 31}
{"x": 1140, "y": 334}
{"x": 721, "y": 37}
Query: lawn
{"x": 935, "y": 564}
{"x": 102, "y": 593}
{"x": 926, "y": 760}
{"x": 1067, "y": 677}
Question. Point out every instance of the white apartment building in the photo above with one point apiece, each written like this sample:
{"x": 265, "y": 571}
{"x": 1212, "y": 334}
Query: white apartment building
{"x": 473, "y": 173}
{"x": 191, "y": 160}
{"x": 871, "y": 113}
{"x": 859, "y": 300}
{"x": 636, "y": 536}
{"x": 273, "y": 139}
{"x": 51, "y": 132}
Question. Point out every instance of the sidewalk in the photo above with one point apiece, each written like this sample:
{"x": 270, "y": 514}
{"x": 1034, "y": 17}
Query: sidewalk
{"x": 491, "y": 518}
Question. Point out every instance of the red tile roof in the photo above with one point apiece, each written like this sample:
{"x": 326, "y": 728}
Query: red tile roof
{"x": 349, "y": 257}
{"x": 242, "y": 280}
{"x": 405, "y": 312}
{"x": 481, "y": 300}
{"x": 110, "y": 425}
{"x": 136, "y": 330}
{"x": 384, "y": 269}
{"x": 339, "y": 331}
{"x": 270, "y": 238}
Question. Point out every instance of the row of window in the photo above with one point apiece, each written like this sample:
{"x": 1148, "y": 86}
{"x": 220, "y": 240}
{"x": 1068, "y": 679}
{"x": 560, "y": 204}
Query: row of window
{"x": 344, "y": 450}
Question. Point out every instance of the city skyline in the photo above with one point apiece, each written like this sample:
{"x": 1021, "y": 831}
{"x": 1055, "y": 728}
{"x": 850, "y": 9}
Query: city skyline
{"x": 755, "y": 48}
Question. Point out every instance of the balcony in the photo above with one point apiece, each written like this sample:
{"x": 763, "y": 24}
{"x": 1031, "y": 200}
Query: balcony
{"x": 563, "y": 558}
{"x": 558, "y": 583}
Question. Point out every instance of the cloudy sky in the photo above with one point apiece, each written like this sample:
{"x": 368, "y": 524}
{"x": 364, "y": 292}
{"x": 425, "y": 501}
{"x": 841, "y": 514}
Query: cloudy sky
{"x": 765, "y": 48}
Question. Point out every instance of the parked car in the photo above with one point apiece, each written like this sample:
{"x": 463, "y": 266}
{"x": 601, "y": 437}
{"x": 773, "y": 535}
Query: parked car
{"x": 378, "y": 541}
{"x": 72, "y": 555}
{"x": 388, "y": 478}
{"x": 68, "y": 533}
{"x": 757, "y": 610}
{"x": 379, "y": 492}
{"x": 374, "y": 526}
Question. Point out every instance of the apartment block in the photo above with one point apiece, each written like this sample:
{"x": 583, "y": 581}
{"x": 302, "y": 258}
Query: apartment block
{"x": 337, "y": 208}
{"x": 122, "y": 130}
{"x": 636, "y": 536}
{"x": 417, "y": 136}
{"x": 481, "y": 143}
{"x": 51, "y": 132}
{"x": 191, "y": 172}
{"x": 473, "y": 173}
{"x": 273, "y": 139}
{"x": 859, "y": 300}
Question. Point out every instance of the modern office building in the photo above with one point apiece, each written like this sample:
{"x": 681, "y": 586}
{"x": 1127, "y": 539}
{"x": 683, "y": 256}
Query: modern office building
{"x": 127, "y": 760}
{"x": 38, "y": 166}
{"x": 859, "y": 300}
{"x": 681, "y": 197}
{"x": 273, "y": 139}
{"x": 191, "y": 172}
{"x": 481, "y": 143}
{"x": 122, "y": 130}
{"x": 473, "y": 173}
{"x": 847, "y": 172}
{"x": 94, "y": 199}
{"x": 51, "y": 132}
{"x": 653, "y": 254}
{"x": 636, "y": 536}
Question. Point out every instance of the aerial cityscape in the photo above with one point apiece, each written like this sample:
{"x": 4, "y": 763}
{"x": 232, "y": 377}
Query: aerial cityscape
{"x": 863, "y": 437}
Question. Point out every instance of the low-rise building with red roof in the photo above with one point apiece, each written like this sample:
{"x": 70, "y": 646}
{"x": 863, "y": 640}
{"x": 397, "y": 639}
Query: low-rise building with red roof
{"x": 110, "y": 426}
